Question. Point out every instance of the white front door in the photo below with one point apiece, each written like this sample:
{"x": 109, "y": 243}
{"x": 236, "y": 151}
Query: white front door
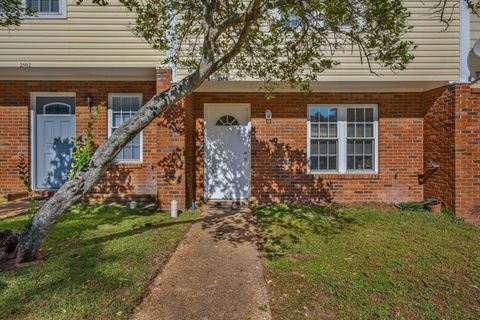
{"x": 54, "y": 130}
{"x": 227, "y": 151}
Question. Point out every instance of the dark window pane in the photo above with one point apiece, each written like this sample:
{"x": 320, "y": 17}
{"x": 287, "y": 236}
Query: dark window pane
{"x": 117, "y": 119}
{"x": 44, "y": 6}
{"x": 136, "y": 152}
{"x": 369, "y": 115}
{"x": 360, "y": 115}
{"x": 351, "y": 131}
{"x": 57, "y": 109}
{"x": 323, "y": 130}
{"x": 314, "y": 131}
{"x": 368, "y": 147}
{"x": 314, "y": 163}
{"x": 55, "y": 4}
{"x": 125, "y": 116}
{"x": 116, "y": 103}
{"x": 323, "y": 163}
{"x": 333, "y": 130}
{"x": 358, "y": 162}
{"x": 369, "y": 130}
{"x": 350, "y": 162}
{"x": 332, "y": 147}
{"x": 323, "y": 147}
{"x": 324, "y": 112}
{"x": 136, "y": 140}
{"x": 314, "y": 115}
{"x": 135, "y": 104}
{"x": 314, "y": 147}
{"x": 332, "y": 163}
{"x": 333, "y": 115}
{"x": 358, "y": 147}
{"x": 350, "y": 147}
{"x": 359, "y": 131}
{"x": 351, "y": 115}
{"x": 33, "y": 4}
{"x": 368, "y": 163}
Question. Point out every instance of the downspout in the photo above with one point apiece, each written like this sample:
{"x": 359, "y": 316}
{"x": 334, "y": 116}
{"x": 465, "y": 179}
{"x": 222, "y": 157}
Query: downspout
{"x": 464, "y": 42}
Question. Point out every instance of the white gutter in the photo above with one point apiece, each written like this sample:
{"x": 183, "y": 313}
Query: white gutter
{"x": 464, "y": 42}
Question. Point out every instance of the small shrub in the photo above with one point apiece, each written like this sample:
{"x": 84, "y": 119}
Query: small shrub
{"x": 24, "y": 175}
{"x": 84, "y": 147}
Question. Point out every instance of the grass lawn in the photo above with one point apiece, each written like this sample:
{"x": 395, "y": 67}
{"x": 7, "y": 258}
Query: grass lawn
{"x": 369, "y": 263}
{"x": 99, "y": 262}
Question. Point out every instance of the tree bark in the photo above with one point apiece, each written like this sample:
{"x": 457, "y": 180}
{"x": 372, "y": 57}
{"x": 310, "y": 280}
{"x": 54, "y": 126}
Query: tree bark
{"x": 32, "y": 237}
{"x": 72, "y": 191}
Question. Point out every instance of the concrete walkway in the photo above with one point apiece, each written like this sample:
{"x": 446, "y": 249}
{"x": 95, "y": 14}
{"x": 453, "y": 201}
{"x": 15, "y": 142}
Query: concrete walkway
{"x": 215, "y": 273}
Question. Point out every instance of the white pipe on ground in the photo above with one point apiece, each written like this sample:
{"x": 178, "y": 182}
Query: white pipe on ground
{"x": 174, "y": 209}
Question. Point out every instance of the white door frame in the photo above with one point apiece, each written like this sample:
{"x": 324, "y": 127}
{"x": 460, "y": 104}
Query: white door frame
{"x": 249, "y": 151}
{"x": 33, "y": 129}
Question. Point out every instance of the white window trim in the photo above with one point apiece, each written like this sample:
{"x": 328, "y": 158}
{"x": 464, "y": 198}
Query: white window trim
{"x": 110, "y": 122}
{"x": 342, "y": 139}
{"x": 62, "y": 14}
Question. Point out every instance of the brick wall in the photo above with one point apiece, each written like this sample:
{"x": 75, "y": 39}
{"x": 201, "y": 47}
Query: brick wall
{"x": 124, "y": 181}
{"x": 440, "y": 125}
{"x": 467, "y": 152}
{"x": 439, "y": 145}
{"x": 171, "y": 137}
{"x": 14, "y": 137}
{"x": 452, "y": 139}
{"x": 279, "y": 169}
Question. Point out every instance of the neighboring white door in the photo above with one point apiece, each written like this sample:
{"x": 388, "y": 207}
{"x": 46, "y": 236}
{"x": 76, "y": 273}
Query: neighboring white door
{"x": 227, "y": 151}
{"x": 55, "y": 128}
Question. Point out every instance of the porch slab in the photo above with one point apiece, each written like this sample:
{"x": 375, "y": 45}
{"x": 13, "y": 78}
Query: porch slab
{"x": 216, "y": 272}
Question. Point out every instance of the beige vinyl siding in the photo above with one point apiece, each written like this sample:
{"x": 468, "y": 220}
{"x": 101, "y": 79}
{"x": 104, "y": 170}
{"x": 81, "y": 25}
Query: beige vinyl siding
{"x": 94, "y": 36}
{"x": 91, "y": 36}
{"x": 436, "y": 56}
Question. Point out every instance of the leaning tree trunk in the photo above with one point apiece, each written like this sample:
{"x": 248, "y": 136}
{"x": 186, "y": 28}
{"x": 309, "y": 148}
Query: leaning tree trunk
{"x": 73, "y": 190}
{"x": 32, "y": 237}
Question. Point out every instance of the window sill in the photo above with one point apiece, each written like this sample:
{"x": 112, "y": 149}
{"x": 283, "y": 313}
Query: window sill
{"x": 129, "y": 164}
{"x": 347, "y": 176}
{"x": 46, "y": 17}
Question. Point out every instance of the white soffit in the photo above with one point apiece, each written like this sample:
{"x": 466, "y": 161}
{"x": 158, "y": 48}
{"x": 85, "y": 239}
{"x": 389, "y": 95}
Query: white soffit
{"x": 78, "y": 74}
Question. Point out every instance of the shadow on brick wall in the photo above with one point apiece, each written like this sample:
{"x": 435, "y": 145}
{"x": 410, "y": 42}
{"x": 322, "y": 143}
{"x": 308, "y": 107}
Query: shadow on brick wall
{"x": 115, "y": 185}
{"x": 278, "y": 171}
{"x": 279, "y": 174}
{"x": 172, "y": 166}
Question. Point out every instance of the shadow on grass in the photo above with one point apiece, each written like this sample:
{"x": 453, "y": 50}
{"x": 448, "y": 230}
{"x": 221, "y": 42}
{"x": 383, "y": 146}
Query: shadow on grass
{"x": 98, "y": 259}
{"x": 282, "y": 226}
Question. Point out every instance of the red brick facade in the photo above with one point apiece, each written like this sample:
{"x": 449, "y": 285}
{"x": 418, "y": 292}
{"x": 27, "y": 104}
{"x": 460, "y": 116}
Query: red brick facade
{"x": 439, "y": 145}
{"x": 279, "y": 168}
{"x": 452, "y": 140}
{"x": 440, "y": 125}
{"x": 467, "y": 152}
{"x": 125, "y": 181}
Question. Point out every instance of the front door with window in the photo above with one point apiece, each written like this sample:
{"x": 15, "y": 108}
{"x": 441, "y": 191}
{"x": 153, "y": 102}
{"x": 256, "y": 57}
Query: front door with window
{"x": 227, "y": 151}
{"x": 54, "y": 130}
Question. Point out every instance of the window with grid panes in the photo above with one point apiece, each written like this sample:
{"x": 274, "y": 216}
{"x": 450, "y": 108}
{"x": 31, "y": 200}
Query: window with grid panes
{"x": 342, "y": 138}
{"x": 121, "y": 108}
